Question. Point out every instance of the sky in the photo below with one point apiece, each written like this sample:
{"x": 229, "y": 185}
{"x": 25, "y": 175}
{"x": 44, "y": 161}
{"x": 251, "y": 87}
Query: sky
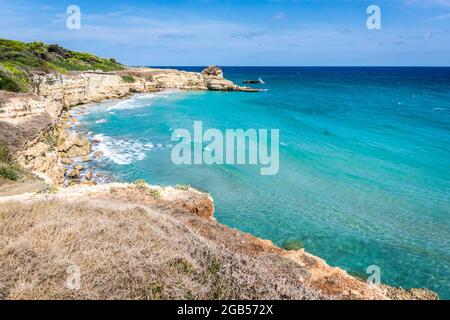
{"x": 240, "y": 33}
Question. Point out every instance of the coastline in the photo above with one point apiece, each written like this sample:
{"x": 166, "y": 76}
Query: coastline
{"x": 49, "y": 110}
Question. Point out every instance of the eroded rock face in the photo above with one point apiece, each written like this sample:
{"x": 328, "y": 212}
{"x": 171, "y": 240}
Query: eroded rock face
{"x": 19, "y": 107}
{"x": 72, "y": 145}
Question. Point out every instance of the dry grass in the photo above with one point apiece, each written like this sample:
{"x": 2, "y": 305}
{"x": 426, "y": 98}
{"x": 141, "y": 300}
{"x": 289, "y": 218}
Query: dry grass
{"x": 130, "y": 252}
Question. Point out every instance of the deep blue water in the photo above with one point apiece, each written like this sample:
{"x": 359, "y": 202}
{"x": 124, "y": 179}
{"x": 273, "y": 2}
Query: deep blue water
{"x": 364, "y": 162}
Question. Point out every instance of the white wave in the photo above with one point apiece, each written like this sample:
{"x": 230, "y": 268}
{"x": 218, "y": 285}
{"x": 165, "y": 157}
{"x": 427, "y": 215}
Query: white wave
{"x": 101, "y": 121}
{"x": 137, "y": 101}
{"x": 121, "y": 151}
{"x": 145, "y": 96}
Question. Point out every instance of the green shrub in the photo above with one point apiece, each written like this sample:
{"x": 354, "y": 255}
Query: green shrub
{"x": 292, "y": 244}
{"x": 155, "y": 193}
{"x": 214, "y": 267}
{"x": 183, "y": 187}
{"x": 156, "y": 290}
{"x": 128, "y": 79}
{"x": 8, "y": 168}
{"x": 183, "y": 266}
{"x": 9, "y": 173}
{"x": 8, "y": 84}
{"x": 20, "y": 59}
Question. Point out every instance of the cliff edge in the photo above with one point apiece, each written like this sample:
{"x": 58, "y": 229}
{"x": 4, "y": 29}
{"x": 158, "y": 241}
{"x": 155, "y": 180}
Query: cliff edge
{"x": 135, "y": 241}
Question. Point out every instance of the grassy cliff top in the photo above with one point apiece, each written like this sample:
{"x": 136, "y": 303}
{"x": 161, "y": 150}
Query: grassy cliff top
{"x": 18, "y": 60}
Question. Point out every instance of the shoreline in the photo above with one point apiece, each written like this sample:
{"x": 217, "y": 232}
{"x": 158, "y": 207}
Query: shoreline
{"x": 90, "y": 161}
{"x": 70, "y": 145}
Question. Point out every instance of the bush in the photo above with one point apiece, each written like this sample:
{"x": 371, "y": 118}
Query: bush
{"x": 183, "y": 266}
{"x": 9, "y": 173}
{"x": 8, "y": 169}
{"x": 19, "y": 59}
{"x": 128, "y": 79}
{"x": 155, "y": 193}
{"x": 8, "y": 84}
{"x": 214, "y": 267}
{"x": 183, "y": 187}
{"x": 292, "y": 244}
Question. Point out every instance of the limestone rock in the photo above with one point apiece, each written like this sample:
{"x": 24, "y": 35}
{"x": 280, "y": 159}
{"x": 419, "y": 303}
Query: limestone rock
{"x": 215, "y": 81}
{"x": 78, "y": 167}
{"x": 66, "y": 161}
{"x": 73, "y": 145}
{"x": 89, "y": 176}
{"x": 214, "y": 71}
{"x": 74, "y": 173}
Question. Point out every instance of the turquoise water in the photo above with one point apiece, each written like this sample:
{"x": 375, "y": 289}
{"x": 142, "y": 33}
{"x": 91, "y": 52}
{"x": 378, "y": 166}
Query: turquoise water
{"x": 364, "y": 173}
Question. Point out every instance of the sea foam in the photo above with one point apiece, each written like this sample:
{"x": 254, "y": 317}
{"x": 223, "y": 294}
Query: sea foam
{"x": 121, "y": 151}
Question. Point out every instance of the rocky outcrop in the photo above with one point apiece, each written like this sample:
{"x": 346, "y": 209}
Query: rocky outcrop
{"x": 215, "y": 81}
{"x": 72, "y": 145}
{"x": 213, "y": 71}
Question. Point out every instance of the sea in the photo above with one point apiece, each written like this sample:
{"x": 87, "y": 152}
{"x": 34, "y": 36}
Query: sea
{"x": 364, "y": 162}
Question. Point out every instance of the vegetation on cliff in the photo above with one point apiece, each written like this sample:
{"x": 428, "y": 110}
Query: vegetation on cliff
{"x": 19, "y": 60}
{"x": 9, "y": 170}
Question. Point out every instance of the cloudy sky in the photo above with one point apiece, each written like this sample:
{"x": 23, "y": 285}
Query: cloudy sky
{"x": 245, "y": 32}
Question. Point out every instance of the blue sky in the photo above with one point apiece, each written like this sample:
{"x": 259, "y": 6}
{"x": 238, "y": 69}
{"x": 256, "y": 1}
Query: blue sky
{"x": 246, "y": 32}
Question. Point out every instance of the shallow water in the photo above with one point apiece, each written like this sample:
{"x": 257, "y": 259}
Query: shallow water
{"x": 364, "y": 162}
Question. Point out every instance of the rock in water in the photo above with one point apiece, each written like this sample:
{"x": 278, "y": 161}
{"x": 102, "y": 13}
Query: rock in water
{"x": 89, "y": 176}
{"x": 213, "y": 71}
{"x": 74, "y": 173}
{"x": 259, "y": 81}
{"x": 78, "y": 167}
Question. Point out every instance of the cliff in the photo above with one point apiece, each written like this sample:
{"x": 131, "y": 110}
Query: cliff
{"x": 135, "y": 241}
